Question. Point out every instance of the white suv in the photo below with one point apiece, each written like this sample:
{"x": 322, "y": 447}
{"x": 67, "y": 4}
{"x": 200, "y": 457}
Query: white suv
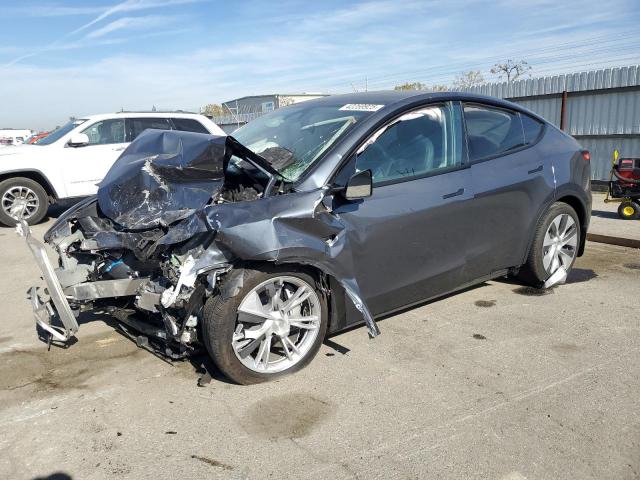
{"x": 71, "y": 161}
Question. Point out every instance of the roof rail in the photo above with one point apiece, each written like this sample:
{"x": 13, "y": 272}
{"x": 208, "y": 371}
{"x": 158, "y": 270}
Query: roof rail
{"x": 158, "y": 111}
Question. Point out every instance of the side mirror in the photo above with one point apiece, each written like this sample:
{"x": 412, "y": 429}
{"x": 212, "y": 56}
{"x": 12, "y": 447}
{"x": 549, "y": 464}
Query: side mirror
{"x": 360, "y": 185}
{"x": 78, "y": 140}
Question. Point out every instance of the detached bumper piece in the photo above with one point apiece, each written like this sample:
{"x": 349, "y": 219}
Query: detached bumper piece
{"x": 56, "y": 307}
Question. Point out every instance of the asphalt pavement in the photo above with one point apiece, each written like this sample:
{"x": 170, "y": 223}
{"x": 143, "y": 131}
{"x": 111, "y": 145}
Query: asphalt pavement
{"x": 496, "y": 382}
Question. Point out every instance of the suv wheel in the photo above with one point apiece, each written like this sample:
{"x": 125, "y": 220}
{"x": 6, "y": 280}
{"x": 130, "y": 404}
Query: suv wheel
{"x": 22, "y": 198}
{"x": 273, "y": 326}
{"x": 555, "y": 244}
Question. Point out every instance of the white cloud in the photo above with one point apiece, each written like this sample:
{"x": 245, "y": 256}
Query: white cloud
{"x": 122, "y": 7}
{"x": 131, "y": 6}
{"x": 308, "y": 51}
{"x": 132, "y": 23}
{"x": 44, "y": 10}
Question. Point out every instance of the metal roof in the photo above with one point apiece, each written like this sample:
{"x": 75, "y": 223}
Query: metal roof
{"x": 306, "y": 94}
{"x": 572, "y": 82}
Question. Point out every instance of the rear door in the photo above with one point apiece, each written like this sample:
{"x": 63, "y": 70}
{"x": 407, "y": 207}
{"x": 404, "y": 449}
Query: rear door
{"x": 135, "y": 126}
{"x": 188, "y": 125}
{"x": 511, "y": 181}
{"x": 409, "y": 237}
{"x": 86, "y": 166}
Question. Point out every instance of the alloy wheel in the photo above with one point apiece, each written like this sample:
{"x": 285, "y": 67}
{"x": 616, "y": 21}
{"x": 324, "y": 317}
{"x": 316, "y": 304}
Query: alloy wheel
{"x": 277, "y": 324}
{"x": 20, "y": 202}
{"x": 560, "y": 243}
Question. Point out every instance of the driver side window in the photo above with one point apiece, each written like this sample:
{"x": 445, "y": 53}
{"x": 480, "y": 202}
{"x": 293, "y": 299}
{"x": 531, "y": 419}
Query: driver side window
{"x": 106, "y": 132}
{"x": 414, "y": 145}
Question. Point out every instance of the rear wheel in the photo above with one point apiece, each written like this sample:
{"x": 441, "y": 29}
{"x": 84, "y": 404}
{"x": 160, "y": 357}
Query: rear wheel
{"x": 629, "y": 210}
{"x": 273, "y": 326}
{"x": 555, "y": 244}
{"x": 22, "y": 198}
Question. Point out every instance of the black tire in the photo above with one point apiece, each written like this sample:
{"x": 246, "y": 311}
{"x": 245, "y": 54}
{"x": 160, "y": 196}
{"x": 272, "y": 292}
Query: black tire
{"x": 219, "y": 322}
{"x": 36, "y": 188}
{"x": 629, "y": 210}
{"x": 533, "y": 271}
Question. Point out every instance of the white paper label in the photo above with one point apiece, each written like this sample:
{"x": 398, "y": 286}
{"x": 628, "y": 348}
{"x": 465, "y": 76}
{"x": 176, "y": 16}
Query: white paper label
{"x": 361, "y": 107}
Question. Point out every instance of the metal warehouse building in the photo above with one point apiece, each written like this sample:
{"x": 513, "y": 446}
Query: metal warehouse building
{"x": 600, "y": 108}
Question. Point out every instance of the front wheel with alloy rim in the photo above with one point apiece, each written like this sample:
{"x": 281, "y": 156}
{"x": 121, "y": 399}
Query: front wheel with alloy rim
{"x": 555, "y": 244}
{"x": 273, "y": 326}
{"x": 22, "y": 198}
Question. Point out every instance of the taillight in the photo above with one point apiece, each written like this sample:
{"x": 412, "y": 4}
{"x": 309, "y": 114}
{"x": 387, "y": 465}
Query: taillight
{"x": 586, "y": 155}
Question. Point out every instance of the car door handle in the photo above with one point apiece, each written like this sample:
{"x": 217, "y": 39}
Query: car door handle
{"x": 535, "y": 170}
{"x": 460, "y": 191}
{"x": 118, "y": 149}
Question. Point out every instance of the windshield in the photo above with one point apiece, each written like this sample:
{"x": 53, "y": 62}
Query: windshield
{"x": 291, "y": 139}
{"x": 59, "y": 133}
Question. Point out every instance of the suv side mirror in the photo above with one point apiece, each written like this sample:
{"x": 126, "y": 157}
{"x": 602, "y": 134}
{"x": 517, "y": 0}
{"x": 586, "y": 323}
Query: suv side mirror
{"x": 360, "y": 185}
{"x": 78, "y": 140}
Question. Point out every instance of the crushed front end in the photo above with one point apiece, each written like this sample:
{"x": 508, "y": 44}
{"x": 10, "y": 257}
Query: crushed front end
{"x": 174, "y": 222}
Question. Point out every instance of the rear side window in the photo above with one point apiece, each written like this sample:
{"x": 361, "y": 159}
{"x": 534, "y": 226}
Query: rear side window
{"x": 135, "y": 126}
{"x": 188, "y": 125}
{"x": 492, "y": 131}
{"x": 531, "y": 128}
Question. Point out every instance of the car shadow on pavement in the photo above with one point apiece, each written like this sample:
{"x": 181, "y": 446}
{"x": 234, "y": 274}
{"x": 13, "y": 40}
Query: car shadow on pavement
{"x": 576, "y": 275}
{"x": 55, "y": 476}
{"x": 60, "y": 207}
{"x": 604, "y": 214}
{"x": 329, "y": 339}
{"x": 55, "y": 210}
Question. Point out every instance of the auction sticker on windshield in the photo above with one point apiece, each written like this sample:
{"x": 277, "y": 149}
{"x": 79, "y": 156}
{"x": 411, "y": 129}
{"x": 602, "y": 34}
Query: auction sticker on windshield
{"x": 361, "y": 107}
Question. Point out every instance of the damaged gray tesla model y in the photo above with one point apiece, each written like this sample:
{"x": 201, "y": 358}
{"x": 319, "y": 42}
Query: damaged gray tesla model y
{"x": 310, "y": 219}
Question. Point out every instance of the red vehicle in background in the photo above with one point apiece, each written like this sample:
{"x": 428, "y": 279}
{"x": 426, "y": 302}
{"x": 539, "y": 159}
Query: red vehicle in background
{"x": 625, "y": 185}
{"x": 37, "y": 137}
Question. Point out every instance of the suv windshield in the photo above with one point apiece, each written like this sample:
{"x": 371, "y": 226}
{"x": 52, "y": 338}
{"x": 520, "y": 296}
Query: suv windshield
{"x": 59, "y": 133}
{"x": 293, "y": 138}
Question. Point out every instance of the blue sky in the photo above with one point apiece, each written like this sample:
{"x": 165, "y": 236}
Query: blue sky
{"x": 62, "y": 58}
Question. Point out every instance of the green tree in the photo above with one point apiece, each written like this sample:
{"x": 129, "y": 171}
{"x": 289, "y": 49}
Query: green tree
{"x": 214, "y": 110}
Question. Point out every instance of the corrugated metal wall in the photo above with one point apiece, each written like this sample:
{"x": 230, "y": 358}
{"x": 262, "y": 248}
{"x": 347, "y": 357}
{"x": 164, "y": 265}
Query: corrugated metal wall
{"x": 548, "y": 108}
{"x": 602, "y": 149}
{"x": 602, "y": 110}
{"x": 603, "y": 113}
{"x": 573, "y": 82}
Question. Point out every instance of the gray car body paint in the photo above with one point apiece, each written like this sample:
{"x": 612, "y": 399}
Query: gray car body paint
{"x": 349, "y": 240}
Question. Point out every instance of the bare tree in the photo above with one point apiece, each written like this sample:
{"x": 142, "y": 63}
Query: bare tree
{"x": 422, "y": 87}
{"x": 465, "y": 80}
{"x": 510, "y": 69}
{"x": 411, "y": 86}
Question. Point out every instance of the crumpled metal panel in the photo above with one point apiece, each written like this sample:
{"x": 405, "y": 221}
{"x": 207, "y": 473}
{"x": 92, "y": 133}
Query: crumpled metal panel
{"x": 291, "y": 228}
{"x": 167, "y": 179}
{"x": 162, "y": 177}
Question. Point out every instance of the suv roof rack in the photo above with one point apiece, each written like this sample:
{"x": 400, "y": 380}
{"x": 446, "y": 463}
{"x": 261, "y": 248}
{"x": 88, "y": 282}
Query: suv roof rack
{"x": 158, "y": 111}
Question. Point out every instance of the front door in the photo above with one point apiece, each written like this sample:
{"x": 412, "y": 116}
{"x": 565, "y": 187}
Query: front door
{"x": 408, "y": 239}
{"x": 86, "y": 166}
